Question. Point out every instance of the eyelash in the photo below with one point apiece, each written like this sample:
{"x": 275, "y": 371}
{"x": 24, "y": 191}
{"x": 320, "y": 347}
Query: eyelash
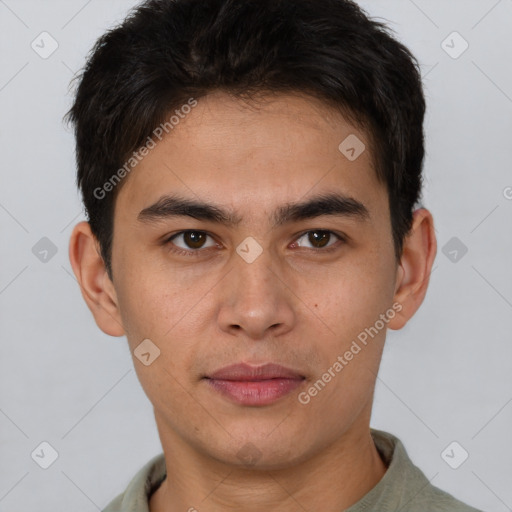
{"x": 197, "y": 252}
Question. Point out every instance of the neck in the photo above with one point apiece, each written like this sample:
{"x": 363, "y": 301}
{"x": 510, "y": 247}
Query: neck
{"x": 333, "y": 479}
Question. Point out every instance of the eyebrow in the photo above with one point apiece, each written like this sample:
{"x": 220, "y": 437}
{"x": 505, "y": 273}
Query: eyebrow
{"x": 331, "y": 204}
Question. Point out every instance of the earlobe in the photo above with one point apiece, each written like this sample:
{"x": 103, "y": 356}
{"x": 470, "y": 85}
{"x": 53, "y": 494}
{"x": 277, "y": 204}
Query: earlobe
{"x": 413, "y": 273}
{"x": 96, "y": 287}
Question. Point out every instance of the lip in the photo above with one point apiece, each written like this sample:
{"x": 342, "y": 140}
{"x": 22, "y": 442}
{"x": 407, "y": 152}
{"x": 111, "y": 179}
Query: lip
{"x": 254, "y": 385}
{"x": 246, "y": 372}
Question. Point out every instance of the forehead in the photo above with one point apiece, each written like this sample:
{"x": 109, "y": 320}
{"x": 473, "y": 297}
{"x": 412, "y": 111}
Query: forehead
{"x": 241, "y": 153}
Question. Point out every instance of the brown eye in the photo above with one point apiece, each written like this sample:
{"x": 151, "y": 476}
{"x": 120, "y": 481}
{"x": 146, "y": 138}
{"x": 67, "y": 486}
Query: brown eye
{"x": 317, "y": 238}
{"x": 192, "y": 241}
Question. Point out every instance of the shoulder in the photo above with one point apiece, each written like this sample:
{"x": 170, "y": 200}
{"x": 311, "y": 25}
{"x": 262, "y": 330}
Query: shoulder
{"x": 404, "y": 486}
{"x": 136, "y": 496}
{"x": 434, "y": 499}
{"x": 115, "y": 505}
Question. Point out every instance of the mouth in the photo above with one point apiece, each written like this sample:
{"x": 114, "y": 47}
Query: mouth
{"x": 248, "y": 385}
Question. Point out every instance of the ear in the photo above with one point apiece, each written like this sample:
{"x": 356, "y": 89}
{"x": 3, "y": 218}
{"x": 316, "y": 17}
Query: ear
{"x": 95, "y": 284}
{"x": 413, "y": 273}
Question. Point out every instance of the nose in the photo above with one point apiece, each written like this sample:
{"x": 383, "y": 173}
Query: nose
{"x": 256, "y": 299}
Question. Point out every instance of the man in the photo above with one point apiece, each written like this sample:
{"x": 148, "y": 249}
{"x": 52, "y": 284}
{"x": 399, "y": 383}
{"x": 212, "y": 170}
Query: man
{"x": 250, "y": 171}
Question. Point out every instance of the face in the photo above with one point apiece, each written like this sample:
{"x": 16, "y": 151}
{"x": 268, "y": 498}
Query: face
{"x": 290, "y": 286}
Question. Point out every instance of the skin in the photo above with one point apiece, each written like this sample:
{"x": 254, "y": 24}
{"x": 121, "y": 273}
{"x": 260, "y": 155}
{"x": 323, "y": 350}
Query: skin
{"x": 293, "y": 305}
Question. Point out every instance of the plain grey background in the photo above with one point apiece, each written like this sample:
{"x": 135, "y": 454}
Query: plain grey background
{"x": 445, "y": 377}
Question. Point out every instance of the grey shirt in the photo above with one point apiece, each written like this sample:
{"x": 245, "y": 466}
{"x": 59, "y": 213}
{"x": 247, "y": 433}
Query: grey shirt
{"x": 403, "y": 487}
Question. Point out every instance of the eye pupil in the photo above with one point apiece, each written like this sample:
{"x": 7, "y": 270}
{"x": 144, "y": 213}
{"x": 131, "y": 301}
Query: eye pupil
{"x": 313, "y": 238}
{"x": 194, "y": 239}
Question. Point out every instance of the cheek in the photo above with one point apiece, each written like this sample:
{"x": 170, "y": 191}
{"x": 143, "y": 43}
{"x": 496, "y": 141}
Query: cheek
{"x": 154, "y": 310}
{"x": 355, "y": 296}
{"x": 352, "y": 348}
{"x": 147, "y": 306}
{"x": 169, "y": 307}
